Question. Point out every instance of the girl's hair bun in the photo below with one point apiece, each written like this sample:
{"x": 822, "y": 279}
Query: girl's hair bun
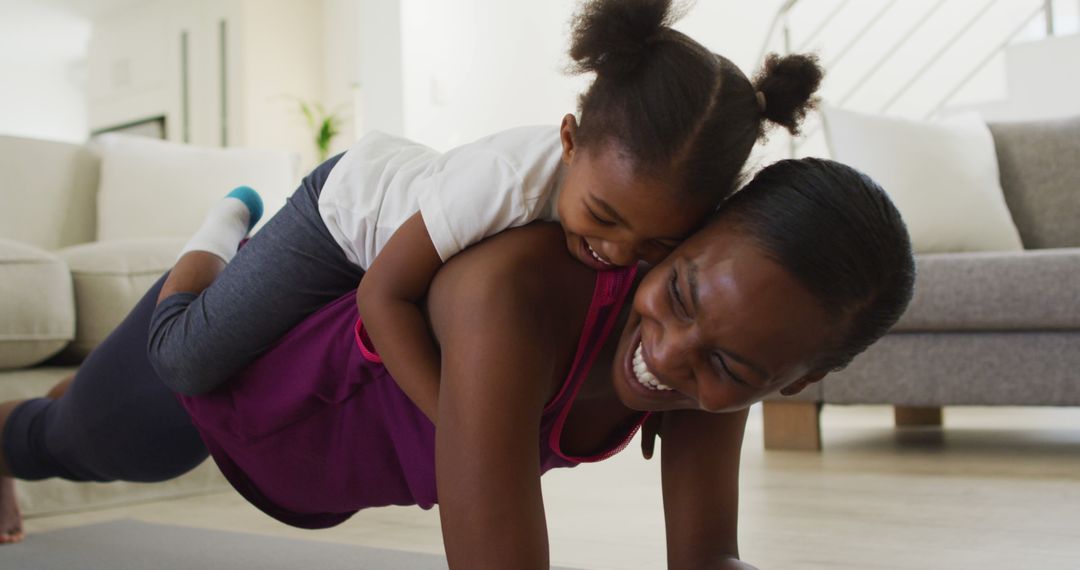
{"x": 612, "y": 37}
{"x": 788, "y": 84}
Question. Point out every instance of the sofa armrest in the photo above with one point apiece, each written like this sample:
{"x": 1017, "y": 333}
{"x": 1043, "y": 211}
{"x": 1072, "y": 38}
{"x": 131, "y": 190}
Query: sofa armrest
{"x": 37, "y": 311}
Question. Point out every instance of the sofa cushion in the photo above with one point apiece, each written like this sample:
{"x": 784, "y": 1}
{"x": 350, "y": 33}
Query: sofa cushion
{"x": 964, "y": 368}
{"x": 48, "y": 192}
{"x": 1031, "y": 290}
{"x": 152, "y": 188}
{"x": 36, "y": 303}
{"x": 943, "y": 177}
{"x": 109, "y": 278}
{"x": 1040, "y": 174}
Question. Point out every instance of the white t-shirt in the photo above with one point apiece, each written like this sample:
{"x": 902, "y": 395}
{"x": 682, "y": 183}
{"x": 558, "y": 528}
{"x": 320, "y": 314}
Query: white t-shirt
{"x": 464, "y": 195}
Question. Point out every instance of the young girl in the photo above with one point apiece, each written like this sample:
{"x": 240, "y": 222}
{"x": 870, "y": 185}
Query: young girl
{"x": 665, "y": 129}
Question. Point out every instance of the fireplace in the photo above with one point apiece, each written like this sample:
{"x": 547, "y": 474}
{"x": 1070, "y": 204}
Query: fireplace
{"x": 153, "y": 127}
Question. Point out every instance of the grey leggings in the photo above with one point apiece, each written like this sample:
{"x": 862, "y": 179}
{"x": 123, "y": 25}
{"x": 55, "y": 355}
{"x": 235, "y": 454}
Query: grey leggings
{"x": 285, "y": 272}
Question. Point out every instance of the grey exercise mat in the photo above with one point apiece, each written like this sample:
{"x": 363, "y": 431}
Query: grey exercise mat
{"x": 134, "y": 545}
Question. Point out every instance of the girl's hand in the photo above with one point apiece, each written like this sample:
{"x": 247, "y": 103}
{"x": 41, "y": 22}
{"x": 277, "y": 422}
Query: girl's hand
{"x": 389, "y": 298}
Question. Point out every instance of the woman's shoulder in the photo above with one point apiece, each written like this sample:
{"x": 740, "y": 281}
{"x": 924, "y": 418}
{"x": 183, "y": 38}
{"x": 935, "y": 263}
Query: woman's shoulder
{"x": 534, "y": 254}
{"x": 526, "y": 269}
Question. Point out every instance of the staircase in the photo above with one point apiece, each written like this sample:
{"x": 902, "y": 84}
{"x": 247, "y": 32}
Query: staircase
{"x": 916, "y": 59}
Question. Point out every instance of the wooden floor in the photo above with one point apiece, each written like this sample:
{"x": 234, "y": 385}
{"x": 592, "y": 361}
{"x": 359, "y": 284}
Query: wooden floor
{"x": 998, "y": 488}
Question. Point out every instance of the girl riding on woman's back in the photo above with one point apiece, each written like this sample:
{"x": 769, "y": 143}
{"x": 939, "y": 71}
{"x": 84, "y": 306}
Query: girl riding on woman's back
{"x": 664, "y": 131}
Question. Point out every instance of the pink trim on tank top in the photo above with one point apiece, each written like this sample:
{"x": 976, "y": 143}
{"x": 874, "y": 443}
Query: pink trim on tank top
{"x": 364, "y": 341}
{"x": 611, "y": 290}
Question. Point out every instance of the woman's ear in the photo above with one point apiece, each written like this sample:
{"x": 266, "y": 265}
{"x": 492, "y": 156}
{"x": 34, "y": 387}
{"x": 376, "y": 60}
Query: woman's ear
{"x": 801, "y": 384}
{"x": 568, "y": 135}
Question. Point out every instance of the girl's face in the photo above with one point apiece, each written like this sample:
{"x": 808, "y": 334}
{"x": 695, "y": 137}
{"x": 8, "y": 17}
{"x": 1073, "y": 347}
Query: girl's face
{"x": 716, "y": 327}
{"x": 612, "y": 216}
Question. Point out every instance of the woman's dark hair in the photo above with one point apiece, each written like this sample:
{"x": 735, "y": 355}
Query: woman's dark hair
{"x": 670, "y": 103}
{"x": 838, "y": 234}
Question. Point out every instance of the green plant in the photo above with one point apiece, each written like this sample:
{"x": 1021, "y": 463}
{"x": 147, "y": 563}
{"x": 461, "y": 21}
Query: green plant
{"x": 324, "y": 125}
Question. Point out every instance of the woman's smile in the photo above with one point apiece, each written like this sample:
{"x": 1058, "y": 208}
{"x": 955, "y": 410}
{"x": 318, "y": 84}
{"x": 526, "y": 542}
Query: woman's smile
{"x": 644, "y": 375}
{"x": 645, "y": 390}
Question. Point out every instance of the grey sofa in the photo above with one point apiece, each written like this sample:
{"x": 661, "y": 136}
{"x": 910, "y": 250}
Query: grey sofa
{"x": 987, "y": 329}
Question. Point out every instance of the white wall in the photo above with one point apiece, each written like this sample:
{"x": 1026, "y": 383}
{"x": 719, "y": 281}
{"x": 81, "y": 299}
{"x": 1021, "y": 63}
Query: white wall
{"x": 380, "y": 101}
{"x": 1039, "y": 87}
{"x": 341, "y": 67}
{"x": 277, "y": 57}
{"x": 133, "y": 71}
{"x": 471, "y": 67}
{"x": 42, "y": 72}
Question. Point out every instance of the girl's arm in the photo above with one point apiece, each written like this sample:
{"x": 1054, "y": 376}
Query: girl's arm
{"x": 699, "y": 457}
{"x": 389, "y": 298}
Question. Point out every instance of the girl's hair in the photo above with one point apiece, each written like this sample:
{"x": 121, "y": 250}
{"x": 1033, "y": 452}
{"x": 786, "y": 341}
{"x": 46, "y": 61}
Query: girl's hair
{"x": 838, "y": 234}
{"x": 669, "y": 102}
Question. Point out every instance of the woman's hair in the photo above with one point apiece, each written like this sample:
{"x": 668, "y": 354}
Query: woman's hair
{"x": 838, "y": 234}
{"x": 670, "y": 103}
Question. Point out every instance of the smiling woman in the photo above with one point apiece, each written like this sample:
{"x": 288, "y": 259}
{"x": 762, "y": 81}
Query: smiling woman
{"x": 316, "y": 428}
{"x": 733, "y": 314}
{"x": 695, "y": 336}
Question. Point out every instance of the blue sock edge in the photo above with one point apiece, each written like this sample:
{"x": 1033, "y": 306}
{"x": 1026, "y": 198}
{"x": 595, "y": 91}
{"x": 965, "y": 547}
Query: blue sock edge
{"x": 252, "y": 200}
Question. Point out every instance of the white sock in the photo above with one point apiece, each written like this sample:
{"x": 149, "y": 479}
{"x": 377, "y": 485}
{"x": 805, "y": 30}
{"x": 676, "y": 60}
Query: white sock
{"x": 220, "y": 234}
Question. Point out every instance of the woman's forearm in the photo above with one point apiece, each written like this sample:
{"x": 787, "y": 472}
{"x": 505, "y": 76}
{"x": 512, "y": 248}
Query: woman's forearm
{"x": 497, "y": 365}
{"x": 486, "y": 464}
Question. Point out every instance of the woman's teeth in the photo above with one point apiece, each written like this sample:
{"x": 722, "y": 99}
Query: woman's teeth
{"x": 595, "y": 255}
{"x": 641, "y": 372}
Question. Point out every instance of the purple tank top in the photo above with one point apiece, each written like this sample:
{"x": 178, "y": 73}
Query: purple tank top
{"x": 316, "y": 429}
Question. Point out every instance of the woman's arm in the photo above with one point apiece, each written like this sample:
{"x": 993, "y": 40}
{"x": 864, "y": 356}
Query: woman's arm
{"x": 389, "y": 298}
{"x": 492, "y": 317}
{"x": 699, "y": 456}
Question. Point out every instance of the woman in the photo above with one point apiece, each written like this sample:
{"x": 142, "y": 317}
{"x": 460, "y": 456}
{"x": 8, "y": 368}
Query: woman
{"x": 801, "y": 271}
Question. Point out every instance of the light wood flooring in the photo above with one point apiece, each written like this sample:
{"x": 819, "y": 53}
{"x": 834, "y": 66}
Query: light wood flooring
{"x": 997, "y": 488}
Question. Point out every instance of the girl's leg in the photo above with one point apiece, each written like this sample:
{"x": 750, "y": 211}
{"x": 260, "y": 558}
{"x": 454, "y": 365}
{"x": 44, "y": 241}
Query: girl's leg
{"x": 115, "y": 421}
{"x": 193, "y": 273}
{"x": 288, "y": 270}
{"x": 214, "y": 243}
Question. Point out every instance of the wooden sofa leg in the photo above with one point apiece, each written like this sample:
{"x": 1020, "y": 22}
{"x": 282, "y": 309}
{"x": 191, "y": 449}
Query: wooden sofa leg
{"x": 912, "y": 416}
{"x": 792, "y": 425}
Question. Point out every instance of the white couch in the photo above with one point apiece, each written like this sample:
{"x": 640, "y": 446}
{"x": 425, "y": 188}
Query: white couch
{"x": 84, "y": 231}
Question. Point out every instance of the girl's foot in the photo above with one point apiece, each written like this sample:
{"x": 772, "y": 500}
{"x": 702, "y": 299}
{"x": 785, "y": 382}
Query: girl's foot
{"x": 227, "y": 223}
{"x": 10, "y": 517}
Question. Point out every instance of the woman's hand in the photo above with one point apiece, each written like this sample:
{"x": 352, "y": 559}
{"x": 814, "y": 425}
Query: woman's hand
{"x": 700, "y": 467}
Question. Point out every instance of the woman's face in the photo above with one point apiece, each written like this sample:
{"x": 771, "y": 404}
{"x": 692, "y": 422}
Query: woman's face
{"x": 717, "y": 326}
{"x": 613, "y": 216}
